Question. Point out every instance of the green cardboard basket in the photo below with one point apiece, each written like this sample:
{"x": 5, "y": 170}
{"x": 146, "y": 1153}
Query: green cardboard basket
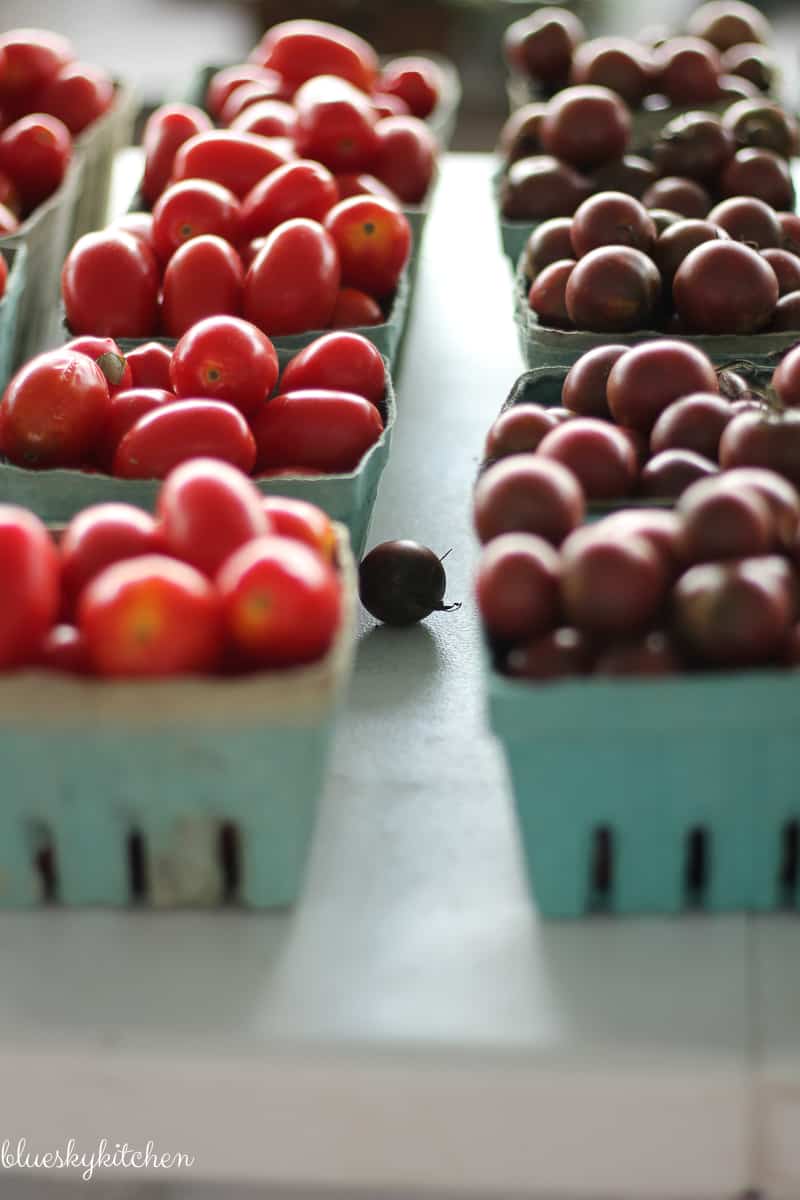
{"x": 97, "y": 148}
{"x": 167, "y": 793}
{"x": 57, "y": 495}
{"x": 9, "y": 310}
{"x": 513, "y": 234}
{"x": 655, "y": 796}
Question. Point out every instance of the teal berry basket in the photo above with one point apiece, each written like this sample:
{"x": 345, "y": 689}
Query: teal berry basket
{"x": 654, "y": 797}
{"x": 97, "y": 148}
{"x": 10, "y": 308}
{"x": 172, "y": 793}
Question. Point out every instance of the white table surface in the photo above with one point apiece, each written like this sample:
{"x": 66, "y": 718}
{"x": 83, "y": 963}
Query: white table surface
{"x": 413, "y": 1024}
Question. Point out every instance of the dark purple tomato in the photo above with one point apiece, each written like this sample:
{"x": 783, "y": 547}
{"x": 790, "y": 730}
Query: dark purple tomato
{"x": 610, "y": 587}
{"x": 519, "y": 430}
{"x": 631, "y": 174}
{"x": 678, "y": 240}
{"x": 679, "y": 195}
{"x": 725, "y": 287}
{"x": 558, "y": 655}
{"x": 760, "y": 173}
{"x": 614, "y": 289}
{"x": 695, "y": 422}
{"x": 602, "y": 457}
{"x": 748, "y": 219}
{"x": 528, "y": 494}
{"x": 586, "y": 126}
{"x": 786, "y": 267}
{"x": 547, "y": 295}
{"x": 517, "y": 587}
{"x": 732, "y": 614}
{"x": 550, "y": 242}
{"x": 539, "y": 187}
{"x": 584, "y": 389}
{"x": 694, "y": 145}
{"x": 720, "y": 521}
{"x": 667, "y": 475}
{"x": 612, "y": 219}
{"x": 651, "y": 376}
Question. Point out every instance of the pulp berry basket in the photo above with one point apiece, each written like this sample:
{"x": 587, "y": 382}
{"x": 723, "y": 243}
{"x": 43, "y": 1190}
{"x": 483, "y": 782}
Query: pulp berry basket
{"x": 9, "y": 310}
{"x": 170, "y": 793}
{"x": 97, "y": 147}
{"x": 659, "y": 796}
{"x": 513, "y": 234}
{"x": 57, "y": 495}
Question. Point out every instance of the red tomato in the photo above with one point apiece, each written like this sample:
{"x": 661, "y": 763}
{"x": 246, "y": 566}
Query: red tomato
{"x": 207, "y": 510}
{"x": 373, "y": 238}
{"x": 354, "y": 309}
{"x": 245, "y": 95}
{"x": 363, "y": 185}
{"x": 225, "y": 358}
{"x": 109, "y": 358}
{"x": 125, "y": 409}
{"x": 249, "y": 251}
{"x": 174, "y": 433}
{"x": 63, "y": 648}
{"x": 165, "y": 132}
{"x": 28, "y": 58}
{"x": 269, "y": 118}
{"x": 292, "y": 283}
{"x": 190, "y": 208}
{"x": 328, "y": 431}
{"x": 339, "y": 362}
{"x": 406, "y": 158}
{"x": 203, "y": 278}
{"x": 236, "y": 160}
{"x": 35, "y": 151}
{"x": 77, "y": 94}
{"x": 140, "y": 224}
{"x": 151, "y": 616}
{"x": 29, "y": 584}
{"x": 230, "y": 78}
{"x": 99, "y": 536}
{"x": 301, "y": 49}
{"x": 8, "y": 222}
{"x": 302, "y": 521}
{"x": 9, "y": 196}
{"x": 417, "y": 81}
{"x": 335, "y": 124}
{"x": 53, "y": 410}
{"x": 390, "y": 106}
{"x": 110, "y": 285}
{"x": 281, "y": 602}
{"x": 149, "y": 365}
{"x": 298, "y": 189}
{"x": 3, "y": 276}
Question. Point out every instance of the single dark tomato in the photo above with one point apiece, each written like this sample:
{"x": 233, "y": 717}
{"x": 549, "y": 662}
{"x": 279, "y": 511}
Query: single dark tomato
{"x": 340, "y": 362}
{"x": 125, "y": 409}
{"x": 293, "y": 281}
{"x": 29, "y": 580}
{"x": 165, "y": 132}
{"x": 335, "y": 124}
{"x": 300, "y": 49}
{"x": 109, "y": 358}
{"x": 326, "y": 430}
{"x": 416, "y": 81}
{"x": 35, "y": 151}
{"x": 204, "y": 278}
{"x": 191, "y": 208}
{"x": 77, "y": 94}
{"x": 406, "y": 157}
{"x": 298, "y": 189}
{"x": 302, "y": 521}
{"x": 174, "y": 433}
{"x": 373, "y": 238}
{"x": 53, "y": 410}
{"x": 109, "y": 282}
{"x": 149, "y": 365}
{"x": 354, "y": 309}
{"x": 99, "y": 536}
{"x": 236, "y": 160}
{"x": 225, "y": 358}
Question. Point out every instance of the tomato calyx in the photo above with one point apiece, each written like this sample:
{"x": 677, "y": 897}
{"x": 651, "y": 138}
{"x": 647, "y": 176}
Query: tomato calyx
{"x": 113, "y": 366}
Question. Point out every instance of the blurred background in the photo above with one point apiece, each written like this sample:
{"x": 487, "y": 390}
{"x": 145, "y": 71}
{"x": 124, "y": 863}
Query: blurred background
{"x": 157, "y": 43}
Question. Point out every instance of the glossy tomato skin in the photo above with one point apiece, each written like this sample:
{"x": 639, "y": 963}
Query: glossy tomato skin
{"x": 269, "y": 118}
{"x": 281, "y": 602}
{"x": 63, "y": 648}
{"x": 109, "y": 282}
{"x": 174, "y": 433}
{"x": 149, "y": 365}
{"x": 298, "y": 189}
{"x": 29, "y": 582}
{"x": 324, "y": 430}
{"x": 77, "y": 94}
{"x": 387, "y": 105}
{"x": 406, "y": 157}
{"x": 204, "y": 278}
{"x": 373, "y": 238}
{"x": 363, "y": 185}
{"x": 165, "y": 132}
{"x": 35, "y": 151}
{"x": 99, "y": 536}
{"x": 225, "y": 358}
{"x": 193, "y": 207}
{"x": 125, "y": 409}
{"x": 230, "y": 78}
{"x": 354, "y": 309}
{"x": 8, "y": 221}
{"x": 109, "y": 358}
{"x": 340, "y": 362}
{"x": 151, "y": 616}
{"x": 292, "y": 283}
{"x": 53, "y": 410}
{"x": 207, "y": 509}
{"x": 416, "y": 81}
{"x": 300, "y": 49}
{"x": 29, "y": 57}
{"x": 302, "y": 521}
{"x": 335, "y": 124}
{"x": 140, "y": 224}
{"x": 236, "y": 160}
{"x": 243, "y": 96}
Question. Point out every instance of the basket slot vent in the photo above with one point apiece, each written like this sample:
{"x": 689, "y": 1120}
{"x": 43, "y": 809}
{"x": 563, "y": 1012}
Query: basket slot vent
{"x": 601, "y": 867}
{"x": 697, "y": 865}
{"x": 790, "y": 861}
{"x": 45, "y": 862}
{"x": 229, "y": 855}
{"x": 137, "y": 866}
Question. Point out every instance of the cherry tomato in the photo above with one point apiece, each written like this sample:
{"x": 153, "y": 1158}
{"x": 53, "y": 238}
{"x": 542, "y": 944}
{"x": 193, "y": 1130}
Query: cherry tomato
{"x": 174, "y": 433}
{"x": 326, "y": 430}
{"x": 245, "y": 95}
{"x": 77, "y": 94}
{"x": 225, "y": 358}
{"x": 373, "y": 238}
{"x": 35, "y": 151}
{"x": 236, "y": 160}
{"x": 125, "y": 409}
{"x": 63, "y": 648}
{"x": 269, "y": 118}
{"x": 249, "y": 251}
{"x": 28, "y": 58}
{"x": 298, "y": 189}
{"x": 53, "y": 410}
{"x": 302, "y": 521}
{"x": 363, "y": 185}
{"x": 417, "y": 81}
{"x": 387, "y": 105}
{"x": 335, "y": 124}
{"x": 354, "y": 309}
{"x": 99, "y": 536}
{"x": 110, "y": 285}
{"x": 140, "y": 224}
{"x": 29, "y": 584}
{"x": 190, "y": 208}
{"x": 3, "y": 276}
{"x": 406, "y": 157}
{"x": 230, "y": 78}
{"x": 292, "y": 283}
{"x": 151, "y": 616}
{"x": 207, "y": 510}
{"x": 109, "y": 358}
{"x": 204, "y": 278}
{"x": 165, "y": 132}
{"x": 9, "y": 196}
{"x": 281, "y": 602}
{"x": 149, "y": 365}
{"x": 298, "y": 50}
{"x": 339, "y": 362}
